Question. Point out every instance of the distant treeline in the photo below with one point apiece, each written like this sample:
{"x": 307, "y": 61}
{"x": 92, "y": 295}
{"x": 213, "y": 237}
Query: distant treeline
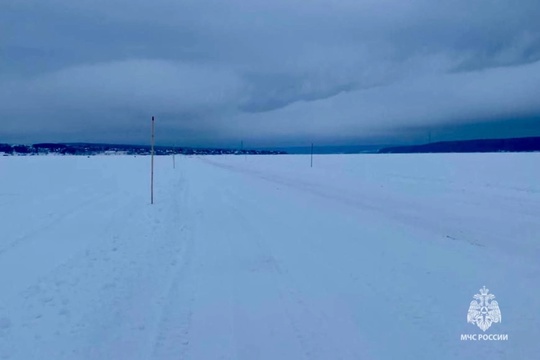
{"x": 482, "y": 145}
{"x": 97, "y": 149}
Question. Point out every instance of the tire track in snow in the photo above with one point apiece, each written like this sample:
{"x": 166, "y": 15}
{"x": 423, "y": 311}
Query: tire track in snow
{"x": 172, "y": 333}
{"x": 101, "y": 301}
{"x": 313, "y": 335}
{"x": 447, "y": 226}
{"x": 416, "y": 303}
{"x": 211, "y": 333}
{"x": 156, "y": 262}
{"x": 268, "y": 261}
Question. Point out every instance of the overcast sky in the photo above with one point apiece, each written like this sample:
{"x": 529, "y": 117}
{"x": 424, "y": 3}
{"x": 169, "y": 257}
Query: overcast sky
{"x": 269, "y": 72}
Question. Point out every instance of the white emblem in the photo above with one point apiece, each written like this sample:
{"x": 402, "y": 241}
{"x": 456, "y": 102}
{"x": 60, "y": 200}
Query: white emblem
{"x": 484, "y": 310}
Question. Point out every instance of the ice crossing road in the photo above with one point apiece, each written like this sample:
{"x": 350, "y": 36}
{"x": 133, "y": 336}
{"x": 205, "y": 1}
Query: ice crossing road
{"x": 263, "y": 257}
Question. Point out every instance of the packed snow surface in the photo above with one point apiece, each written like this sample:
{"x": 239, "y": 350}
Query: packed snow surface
{"x": 264, "y": 257}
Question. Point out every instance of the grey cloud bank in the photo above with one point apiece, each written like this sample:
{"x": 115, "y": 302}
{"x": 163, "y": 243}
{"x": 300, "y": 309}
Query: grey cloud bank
{"x": 270, "y": 73}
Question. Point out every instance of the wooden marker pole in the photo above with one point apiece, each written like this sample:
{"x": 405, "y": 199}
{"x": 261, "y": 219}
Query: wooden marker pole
{"x": 311, "y": 155}
{"x": 152, "y": 166}
{"x": 173, "y": 158}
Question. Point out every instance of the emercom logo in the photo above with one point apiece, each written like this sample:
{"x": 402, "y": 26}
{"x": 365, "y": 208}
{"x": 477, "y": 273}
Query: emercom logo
{"x": 475, "y": 337}
{"x": 483, "y": 312}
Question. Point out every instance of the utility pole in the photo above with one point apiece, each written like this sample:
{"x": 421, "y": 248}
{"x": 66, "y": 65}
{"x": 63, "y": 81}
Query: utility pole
{"x": 311, "y": 155}
{"x": 152, "y": 164}
{"x": 173, "y": 157}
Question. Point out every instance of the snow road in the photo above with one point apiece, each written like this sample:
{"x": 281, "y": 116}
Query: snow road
{"x": 263, "y": 257}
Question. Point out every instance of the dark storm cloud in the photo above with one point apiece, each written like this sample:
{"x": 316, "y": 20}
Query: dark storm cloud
{"x": 268, "y": 72}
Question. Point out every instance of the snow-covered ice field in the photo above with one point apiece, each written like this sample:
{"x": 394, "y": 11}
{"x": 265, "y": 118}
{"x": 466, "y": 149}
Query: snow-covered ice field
{"x": 263, "y": 257}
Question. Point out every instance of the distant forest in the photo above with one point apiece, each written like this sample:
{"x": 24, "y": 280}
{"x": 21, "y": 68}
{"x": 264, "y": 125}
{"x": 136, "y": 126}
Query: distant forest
{"x": 466, "y": 146}
{"x": 97, "y": 149}
{"x": 481, "y": 145}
